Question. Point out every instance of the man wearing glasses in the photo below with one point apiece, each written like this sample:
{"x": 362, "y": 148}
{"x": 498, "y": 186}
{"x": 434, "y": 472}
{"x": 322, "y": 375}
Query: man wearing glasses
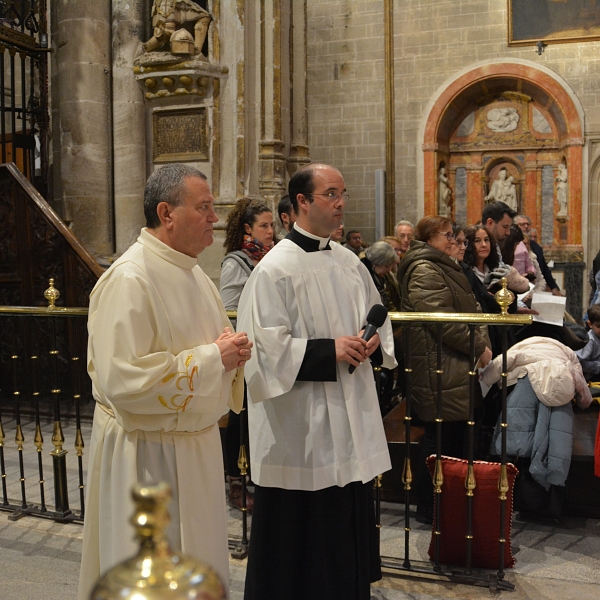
{"x": 316, "y": 435}
{"x": 404, "y": 232}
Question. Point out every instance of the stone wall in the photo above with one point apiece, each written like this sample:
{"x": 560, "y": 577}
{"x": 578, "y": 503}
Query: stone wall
{"x": 434, "y": 41}
{"x": 346, "y": 99}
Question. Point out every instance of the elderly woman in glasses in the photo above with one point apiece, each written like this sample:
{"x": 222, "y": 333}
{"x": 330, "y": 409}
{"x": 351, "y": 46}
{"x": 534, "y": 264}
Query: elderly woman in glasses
{"x": 431, "y": 281}
{"x": 460, "y": 243}
{"x": 381, "y": 261}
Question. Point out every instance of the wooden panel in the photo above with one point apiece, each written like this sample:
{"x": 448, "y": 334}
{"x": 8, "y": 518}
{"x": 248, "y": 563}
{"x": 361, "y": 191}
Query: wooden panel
{"x": 36, "y": 245}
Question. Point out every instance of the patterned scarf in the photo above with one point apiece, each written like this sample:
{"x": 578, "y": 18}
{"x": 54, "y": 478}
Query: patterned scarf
{"x": 254, "y": 249}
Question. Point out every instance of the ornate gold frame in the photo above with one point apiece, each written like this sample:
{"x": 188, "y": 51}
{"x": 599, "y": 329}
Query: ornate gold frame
{"x": 559, "y": 36}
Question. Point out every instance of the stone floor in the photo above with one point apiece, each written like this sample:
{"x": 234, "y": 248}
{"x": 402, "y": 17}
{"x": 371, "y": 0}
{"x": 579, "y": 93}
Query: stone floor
{"x": 40, "y": 558}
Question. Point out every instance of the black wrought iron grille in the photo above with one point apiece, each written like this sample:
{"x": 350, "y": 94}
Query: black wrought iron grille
{"x": 24, "y": 124}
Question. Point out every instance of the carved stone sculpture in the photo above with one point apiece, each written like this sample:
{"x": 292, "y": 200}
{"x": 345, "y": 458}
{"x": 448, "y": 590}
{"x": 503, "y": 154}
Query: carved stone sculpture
{"x": 170, "y": 16}
{"x": 445, "y": 194}
{"x": 503, "y": 120}
{"x": 498, "y": 189}
{"x": 511, "y": 194}
{"x": 561, "y": 191}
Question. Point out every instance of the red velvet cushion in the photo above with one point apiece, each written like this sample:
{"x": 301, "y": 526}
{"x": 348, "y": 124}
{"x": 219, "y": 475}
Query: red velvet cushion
{"x": 486, "y": 514}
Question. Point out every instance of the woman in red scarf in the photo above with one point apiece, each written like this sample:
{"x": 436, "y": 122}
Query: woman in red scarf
{"x": 249, "y": 236}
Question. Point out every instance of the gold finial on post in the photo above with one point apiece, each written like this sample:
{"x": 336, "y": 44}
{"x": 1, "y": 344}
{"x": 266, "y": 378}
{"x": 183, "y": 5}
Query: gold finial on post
{"x": 79, "y": 445}
{"x": 470, "y": 483}
{"x": 503, "y": 486}
{"x": 58, "y": 439}
{"x": 19, "y": 438}
{"x": 242, "y": 462}
{"x": 504, "y": 297}
{"x": 38, "y": 439}
{"x": 407, "y": 476}
{"x": 51, "y": 294}
{"x": 438, "y": 476}
{"x": 156, "y": 572}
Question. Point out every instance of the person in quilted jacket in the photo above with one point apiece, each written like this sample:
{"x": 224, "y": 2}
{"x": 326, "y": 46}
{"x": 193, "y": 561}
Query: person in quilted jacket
{"x": 432, "y": 282}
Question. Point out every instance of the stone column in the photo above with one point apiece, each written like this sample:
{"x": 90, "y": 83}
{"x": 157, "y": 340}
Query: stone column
{"x": 129, "y": 142}
{"x": 299, "y": 151}
{"x": 271, "y": 147}
{"x": 82, "y": 129}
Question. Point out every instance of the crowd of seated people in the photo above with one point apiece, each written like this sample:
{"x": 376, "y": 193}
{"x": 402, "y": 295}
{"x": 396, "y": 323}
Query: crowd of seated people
{"x": 441, "y": 266}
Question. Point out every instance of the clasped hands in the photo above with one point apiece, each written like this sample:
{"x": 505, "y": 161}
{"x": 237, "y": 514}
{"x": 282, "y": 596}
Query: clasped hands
{"x": 354, "y": 350}
{"x": 235, "y": 348}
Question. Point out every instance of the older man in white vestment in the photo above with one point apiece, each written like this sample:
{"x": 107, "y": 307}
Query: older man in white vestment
{"x": 164, "y": 365}
{"x": 316, "y": 434}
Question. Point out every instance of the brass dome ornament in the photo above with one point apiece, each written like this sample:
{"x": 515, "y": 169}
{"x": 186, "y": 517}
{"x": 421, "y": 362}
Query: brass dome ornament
{"x": 156, "y": 572}
{"x": 51, "y": 295}
{"x": 504, "y": 297}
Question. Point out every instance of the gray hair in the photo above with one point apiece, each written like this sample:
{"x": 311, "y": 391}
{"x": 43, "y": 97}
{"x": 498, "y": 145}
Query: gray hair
{"x": 522, "y": 217}
{"x": 403, "y": 222}
{"x": 381, "y": 254}
{"x": 166, "y": 184}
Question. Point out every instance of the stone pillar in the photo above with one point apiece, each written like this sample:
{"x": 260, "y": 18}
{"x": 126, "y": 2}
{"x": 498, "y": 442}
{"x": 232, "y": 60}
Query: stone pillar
{"x": 299, "y": 151}
{"x": 129, "y": 140}
{"x": 430, "y": 178}
{"x": 82, "y": 139}
{"x": 475, "y": 201}
{"x": 271, "y": 156}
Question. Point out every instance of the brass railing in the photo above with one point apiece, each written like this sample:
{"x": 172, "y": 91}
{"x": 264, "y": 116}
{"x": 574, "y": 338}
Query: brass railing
{"x": 41, "y": 375}
{"x": 408, "y": 321}
{"x": 62, "y": 512}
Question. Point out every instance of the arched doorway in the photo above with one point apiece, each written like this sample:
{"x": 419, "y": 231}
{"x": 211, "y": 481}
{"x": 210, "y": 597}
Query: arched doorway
{"x": 516, "y": 118}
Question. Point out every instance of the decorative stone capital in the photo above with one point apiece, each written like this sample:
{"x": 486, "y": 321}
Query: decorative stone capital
{"x": 299, "y": 156}
{"x": 271, "y": 149}
{"x": 161, "y": 75}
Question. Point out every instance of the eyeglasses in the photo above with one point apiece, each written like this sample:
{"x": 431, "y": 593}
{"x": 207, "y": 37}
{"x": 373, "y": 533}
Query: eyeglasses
{"x": 333, "y": 196}
{"x": 464, "y": 243}
{"x": 449, "y": 235}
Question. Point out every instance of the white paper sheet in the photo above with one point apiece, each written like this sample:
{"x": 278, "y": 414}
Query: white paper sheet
{"x": 550, "y": 307}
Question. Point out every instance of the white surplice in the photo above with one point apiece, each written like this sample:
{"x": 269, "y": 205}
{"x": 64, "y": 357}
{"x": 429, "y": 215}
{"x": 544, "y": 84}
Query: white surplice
{"x": 309, "y": 435}
{"x": 153, "y": 319}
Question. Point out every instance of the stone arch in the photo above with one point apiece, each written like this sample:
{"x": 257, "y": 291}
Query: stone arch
{"x": 473, "y": 88}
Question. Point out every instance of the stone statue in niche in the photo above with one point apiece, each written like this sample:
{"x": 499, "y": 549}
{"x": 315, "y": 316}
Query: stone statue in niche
{"x": 169, "y": 18}
{"x": 511, "y": 194}
{"x": 503, "y": 120}
{"x": 561, "y": 191}
{"x": 445, "y": 194}
{"x": 499, "y": 188}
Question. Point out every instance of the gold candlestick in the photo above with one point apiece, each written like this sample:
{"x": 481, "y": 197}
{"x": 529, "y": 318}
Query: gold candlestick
{"x": 156, "y": 572}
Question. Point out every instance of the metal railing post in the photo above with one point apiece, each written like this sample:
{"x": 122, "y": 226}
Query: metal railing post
{"x": 59, "y": 454}
{"x": 470, "y": 482}
{"x": 407, "y": 476}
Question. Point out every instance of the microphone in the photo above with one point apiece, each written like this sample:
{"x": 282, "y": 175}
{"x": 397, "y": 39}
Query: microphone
{"x": 375, "y": 319}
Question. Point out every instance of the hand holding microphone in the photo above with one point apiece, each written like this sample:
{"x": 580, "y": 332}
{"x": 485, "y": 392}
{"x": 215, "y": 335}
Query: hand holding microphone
{"x": 375, "y": 319}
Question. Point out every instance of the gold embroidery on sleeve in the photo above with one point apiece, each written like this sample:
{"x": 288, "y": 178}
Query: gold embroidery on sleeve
{"x": 172, "y": 404}
{"x": 186, "y": 376}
